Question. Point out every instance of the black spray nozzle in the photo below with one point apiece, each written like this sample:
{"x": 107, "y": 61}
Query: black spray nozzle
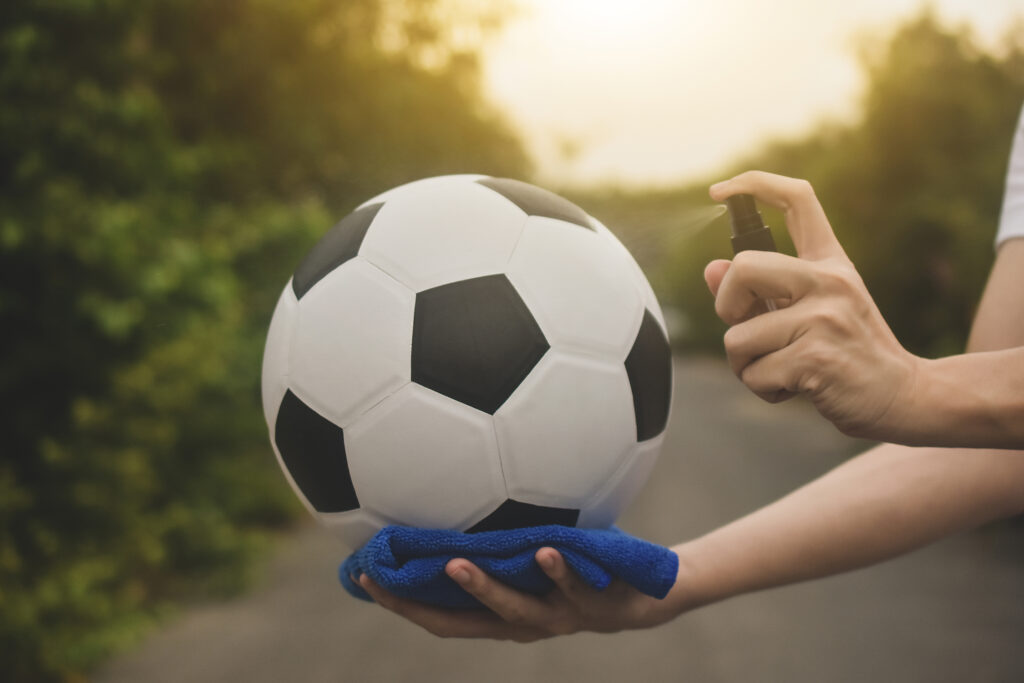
{"x": 748, "y": 228}
{"x": 744, "y": 214}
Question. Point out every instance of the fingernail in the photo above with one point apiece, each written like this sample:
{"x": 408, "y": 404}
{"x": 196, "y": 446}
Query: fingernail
{"x": 460, "y": 576}
{"x": 546, "y": 561}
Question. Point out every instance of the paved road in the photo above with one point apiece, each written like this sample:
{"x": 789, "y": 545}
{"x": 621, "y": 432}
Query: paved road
{"x": 951, "y": 612}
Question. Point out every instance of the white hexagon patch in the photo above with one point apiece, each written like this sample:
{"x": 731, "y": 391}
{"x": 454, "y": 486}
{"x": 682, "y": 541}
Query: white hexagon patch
{"x": 572, "y": 281}
{"x": 433, "y": 234}
{"x": 351, "y": 343}
{"x": 426, "y": 460}
{"x": 566, "y": 430}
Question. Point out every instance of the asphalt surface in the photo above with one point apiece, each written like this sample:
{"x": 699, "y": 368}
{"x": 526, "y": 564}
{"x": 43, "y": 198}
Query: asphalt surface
{"x": 951, "y": 612}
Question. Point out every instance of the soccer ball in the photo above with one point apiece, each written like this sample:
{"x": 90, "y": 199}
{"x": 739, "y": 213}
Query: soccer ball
{"x": 466, "y": 352}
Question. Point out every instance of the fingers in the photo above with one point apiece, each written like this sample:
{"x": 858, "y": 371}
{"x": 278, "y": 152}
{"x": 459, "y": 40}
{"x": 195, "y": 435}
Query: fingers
{"x": 513, "y": 616}
{"x": 445, "y": 622}
{"x": 756, "y": 275}
{"x": 765, "y": 335}
{"x": 774, "y": 377}
{"x": 805, "y": 219}
{"x": 571, "y": 586}
{"x": 747, "y": 341}
{"x": 714, "y": 272}
{"x": 509, "y": 604}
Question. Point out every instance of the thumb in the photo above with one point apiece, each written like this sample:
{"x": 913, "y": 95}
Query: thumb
{"x": 714, "y": 272}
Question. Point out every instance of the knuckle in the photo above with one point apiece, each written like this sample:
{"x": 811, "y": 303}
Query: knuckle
{"x": 745, "y": 177}
{"x": 833, "y": 278}
{"x": 739, "y": 362}
{"x": 733, "y": 338}
{"x": 812, "y": 384}
{"x": 742, "y": 261}
{"x": 803, "y": 188}
{"x": 811, "y": 380}
{"x": 848, "y": 279}
{"x": 753, "y": 380}
{"x": 825, "y": 317}
{"x": 798, "y": 191}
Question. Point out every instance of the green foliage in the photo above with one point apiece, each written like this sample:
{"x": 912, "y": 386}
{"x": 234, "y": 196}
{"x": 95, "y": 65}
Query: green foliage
{"x": 913, "y": 189}
{"x": 164, "y": 164}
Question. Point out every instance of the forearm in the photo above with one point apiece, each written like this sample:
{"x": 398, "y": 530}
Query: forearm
{"x": 970, "y": 400}
{"x": 881, "y": 504}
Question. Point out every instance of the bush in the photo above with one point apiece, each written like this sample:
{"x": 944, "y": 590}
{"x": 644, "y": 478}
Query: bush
{"x": 164, "y": 165}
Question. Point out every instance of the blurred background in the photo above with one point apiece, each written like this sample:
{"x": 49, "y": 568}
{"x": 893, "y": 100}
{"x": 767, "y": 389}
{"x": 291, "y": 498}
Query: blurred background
{"x": 164, "y": 164}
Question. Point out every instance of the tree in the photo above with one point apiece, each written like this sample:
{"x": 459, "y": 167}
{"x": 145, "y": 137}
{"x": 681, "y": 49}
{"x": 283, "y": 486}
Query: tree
{"x": 164, "y": 164}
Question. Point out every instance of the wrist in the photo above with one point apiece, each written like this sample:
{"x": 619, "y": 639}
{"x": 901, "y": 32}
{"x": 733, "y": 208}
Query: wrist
{"x": 971, "y": 400}
{"x": 924, "y": 414}
{"x": 909, "y": 406}
{"x": 697, "y": 584}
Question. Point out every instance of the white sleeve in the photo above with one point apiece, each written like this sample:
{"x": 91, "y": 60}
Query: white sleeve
{"x": 1011, "y": 221}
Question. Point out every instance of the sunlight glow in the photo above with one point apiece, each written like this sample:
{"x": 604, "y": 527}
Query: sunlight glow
{"x": 658, "y": 91}
{"x": 604, "y": 20}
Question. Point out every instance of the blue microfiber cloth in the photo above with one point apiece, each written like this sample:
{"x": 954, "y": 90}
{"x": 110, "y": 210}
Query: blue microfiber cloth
{"x": 409, "y": 562}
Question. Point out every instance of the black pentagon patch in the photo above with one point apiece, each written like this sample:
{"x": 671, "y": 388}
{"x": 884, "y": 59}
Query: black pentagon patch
{"x": 649, "y": 366}
{"x": 515, "y": 515}
{"x": 474, "y": 341}
{"x": 340, "y": 244}
{"x": 313, "y": 450}
{"x": 536, "y": 201}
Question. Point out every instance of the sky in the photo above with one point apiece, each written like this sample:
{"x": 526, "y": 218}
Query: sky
{"x": 641, "y": 92}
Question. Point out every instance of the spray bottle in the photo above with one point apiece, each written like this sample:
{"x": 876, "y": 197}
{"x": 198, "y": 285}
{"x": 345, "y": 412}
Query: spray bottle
{"x": 750, "y": 232}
